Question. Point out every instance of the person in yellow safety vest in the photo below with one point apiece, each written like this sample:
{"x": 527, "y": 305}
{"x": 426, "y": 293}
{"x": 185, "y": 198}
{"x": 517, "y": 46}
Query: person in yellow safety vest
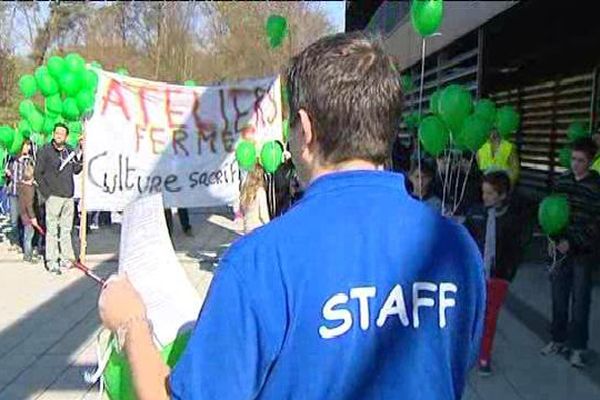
{"x": 499, "y": 154}
{"x": 596, "y": 164}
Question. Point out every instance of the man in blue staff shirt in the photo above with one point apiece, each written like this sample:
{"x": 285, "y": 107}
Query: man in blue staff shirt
{"x": 358, "y": 292}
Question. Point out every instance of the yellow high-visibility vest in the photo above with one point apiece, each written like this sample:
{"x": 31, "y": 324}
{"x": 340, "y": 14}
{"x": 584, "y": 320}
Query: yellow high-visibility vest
{"x": 596, "y": 165}
{"x": 501, "y": 160}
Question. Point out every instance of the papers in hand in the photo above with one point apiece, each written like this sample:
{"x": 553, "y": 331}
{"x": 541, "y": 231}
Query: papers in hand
{"x": 146, "y": 254}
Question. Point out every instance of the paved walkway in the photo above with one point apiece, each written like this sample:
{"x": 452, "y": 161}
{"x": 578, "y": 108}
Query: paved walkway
{"x": 48, "y": 326}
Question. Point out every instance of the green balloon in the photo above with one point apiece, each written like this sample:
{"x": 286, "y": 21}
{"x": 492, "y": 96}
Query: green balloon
{"x": 74, "y": 62}
{"x": 117, "y": 375}
{"x": 426, "y": 16}
{"x": 70, "y": 83}
{"x": 56, "y": 66}
{"x": 271, "y": 156}
{"x": 75, "y": 127}
{"x": 54, "y": 104}
{"x": 507, "y": 121}
{"x": 286, "y": 129}
{"x": 122, "y": 71}
{"x": 85, "y": 101}
{"x": 28, "y": 85}
{"x": 276, "y": 28}
{"x": 40, "y": 71}
{"x": 47, "y": 85}
{"x": 412, "y": 120}
{"x": 553, "y": 214}
{"x": 71, "y": 111}
{"x": 486, "y": 109}
{"x": 17, "y": 144}
{"x": 36, "y": 120}
{"x": 48, "y": 126}
{"x": 7, "y": 134}
{"x": 189, "y": 82}
{"x": 26, "y": 107}
{"x": 434, "y": 102}
{"x": 564, "y": 157}
{"x": 245, "y": 154}
{"x": 90, "y": 80}
{"x": 434, "y": 135}
{"x": 475, "y": 132}
{"x": 455, "y": 104}
{"x": 73, "y": 139}
{"x": 577, "y": 130}
{"x": 24, "y": 128}
{"x": 406, "y": 82}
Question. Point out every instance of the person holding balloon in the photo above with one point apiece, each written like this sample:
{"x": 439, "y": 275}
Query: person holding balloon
{"x": 575, "y": 233}
{"x": 497, "y": 227}
{"x": 499, "y": 153}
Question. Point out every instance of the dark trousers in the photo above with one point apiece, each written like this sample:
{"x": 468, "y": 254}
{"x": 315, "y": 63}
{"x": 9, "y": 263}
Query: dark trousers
{"x": 571, "y": 288}
{"x": 184, "y": 219}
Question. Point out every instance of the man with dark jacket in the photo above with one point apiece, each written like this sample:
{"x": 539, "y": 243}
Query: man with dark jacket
{"x": 55, "y": 167}
{"x": 575, "y": 246}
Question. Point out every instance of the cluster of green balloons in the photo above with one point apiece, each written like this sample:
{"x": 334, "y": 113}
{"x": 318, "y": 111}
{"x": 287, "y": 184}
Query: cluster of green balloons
{"x": 68, "y": 89}
{"x": 276, "y": 29}
{"x": 271, "y": 155}
{"x": 456, "y": 119}
{"x": 426, "y": 16}
{"x": 117, "y": 375}
{"x": 553, "y": 214}
{"x": 577, "y": 130}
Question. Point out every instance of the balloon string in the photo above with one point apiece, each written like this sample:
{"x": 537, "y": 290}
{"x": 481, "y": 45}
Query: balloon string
{"x": 457, "y": 183}
{"x": 464, "y": 186}
{"x": 450, "y": 177}
{"x": 445, "y": 184}
{"x": 420, "y": 111}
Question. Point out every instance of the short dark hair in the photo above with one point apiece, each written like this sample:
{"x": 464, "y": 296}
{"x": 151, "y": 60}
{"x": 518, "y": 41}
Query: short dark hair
{"x": 587, "y": 146}
{"x": 350, "y": 89}
{"x": 60, "y": 125}
{"x": 499, "y": 180}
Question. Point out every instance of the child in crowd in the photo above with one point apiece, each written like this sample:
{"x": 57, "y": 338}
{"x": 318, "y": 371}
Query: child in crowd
{"x": 26, "y": 193}
{"x": 499, "y": 228}
{"x": 422, "y": 186}
{"x": 253, "y": 200}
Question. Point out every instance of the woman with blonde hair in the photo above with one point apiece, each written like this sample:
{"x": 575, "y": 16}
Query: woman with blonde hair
{"x": 253, "y": 200}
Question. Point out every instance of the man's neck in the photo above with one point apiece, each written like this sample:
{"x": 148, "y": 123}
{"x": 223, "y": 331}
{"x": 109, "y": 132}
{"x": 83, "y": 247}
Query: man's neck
{"x": 350, "y": 165}
{"x": 57, "y": 147}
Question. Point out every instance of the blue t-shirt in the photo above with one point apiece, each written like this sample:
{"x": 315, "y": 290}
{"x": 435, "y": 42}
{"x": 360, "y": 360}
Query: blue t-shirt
{"x": 358, "y": 292}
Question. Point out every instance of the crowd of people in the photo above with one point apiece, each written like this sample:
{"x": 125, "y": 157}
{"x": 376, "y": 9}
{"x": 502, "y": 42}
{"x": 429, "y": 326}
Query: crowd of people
{"x": 289, "y": 306}
{"x": 40, "y": 189}
{"x": 502, "y": 226}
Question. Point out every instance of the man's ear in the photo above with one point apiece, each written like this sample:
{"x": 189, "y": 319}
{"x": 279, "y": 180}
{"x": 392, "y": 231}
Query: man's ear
{"x": 307, "y": 130}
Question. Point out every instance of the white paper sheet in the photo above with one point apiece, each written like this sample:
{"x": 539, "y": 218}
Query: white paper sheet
{"x": 147, "y": 256}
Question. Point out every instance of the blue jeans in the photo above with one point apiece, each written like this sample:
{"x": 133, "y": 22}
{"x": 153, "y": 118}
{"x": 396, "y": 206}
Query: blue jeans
{"x": 572, "y": 280}
{"x": 15, "y": 232}
{"x": 27, "y": 240}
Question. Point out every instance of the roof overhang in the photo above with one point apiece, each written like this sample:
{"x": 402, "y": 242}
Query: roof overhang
{"x": 460, "y": 17}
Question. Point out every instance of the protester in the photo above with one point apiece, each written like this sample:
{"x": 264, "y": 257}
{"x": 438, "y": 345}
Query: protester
{"x": 500, "y": 229}
{"x": 253, "y": 200}
{"x": 499, "y": 154}
{"x": 14, "y": 172}
{"x": 54, "y": 170}
{"x": 26, "y": 193}
{"x": 283, "y": 186}
{"x": 422, "y": 186}
{"x": 312, "y": 306}
{"x": 572, "y": 278}
{"x": 184, "y": 220}
{"x": 401, "y": 155}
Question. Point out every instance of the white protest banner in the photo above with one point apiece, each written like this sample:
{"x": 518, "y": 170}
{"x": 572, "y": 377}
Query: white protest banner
{"x": 147, "y": 137}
